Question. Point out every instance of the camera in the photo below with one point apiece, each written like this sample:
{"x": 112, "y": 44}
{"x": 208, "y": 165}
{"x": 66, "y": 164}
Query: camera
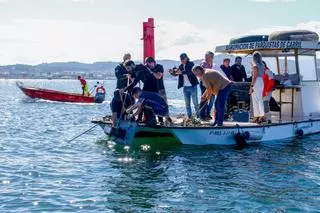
{"x": 173, "y": 71}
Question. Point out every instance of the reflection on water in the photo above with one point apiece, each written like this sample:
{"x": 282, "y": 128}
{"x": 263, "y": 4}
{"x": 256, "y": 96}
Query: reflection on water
{"x": 41, "y": 171}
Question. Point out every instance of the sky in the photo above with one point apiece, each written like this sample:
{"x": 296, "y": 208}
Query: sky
{"x": 39, "y": 31}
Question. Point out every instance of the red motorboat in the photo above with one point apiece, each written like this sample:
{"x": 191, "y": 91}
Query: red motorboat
{"x": 53, "y": 95}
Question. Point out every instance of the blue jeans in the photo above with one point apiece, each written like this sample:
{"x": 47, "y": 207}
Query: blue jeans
{"x": 210, "y": 105}
{"x": 205, "y": 111}
{"x": 220, "y": 104}
{"x": 191, "y": 92}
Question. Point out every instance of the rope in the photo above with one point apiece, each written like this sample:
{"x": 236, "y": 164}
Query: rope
{"x": 125, "y": 98}
{"x": 82, "y": 133}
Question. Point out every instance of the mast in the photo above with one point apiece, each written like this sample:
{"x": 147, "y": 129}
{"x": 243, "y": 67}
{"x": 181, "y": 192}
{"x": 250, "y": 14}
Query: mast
{"x": 148, "y": 39}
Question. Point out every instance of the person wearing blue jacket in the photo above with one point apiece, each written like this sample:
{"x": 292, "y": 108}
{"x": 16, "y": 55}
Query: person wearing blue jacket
{"x": 150, "y": 103}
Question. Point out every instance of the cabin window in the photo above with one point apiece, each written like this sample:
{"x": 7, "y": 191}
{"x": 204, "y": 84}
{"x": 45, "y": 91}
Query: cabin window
{"x": 287, "y": 65}
{"x": 307, "y": 68}
{"x": 318, "y": 62}
{"x": 271, "y": 63}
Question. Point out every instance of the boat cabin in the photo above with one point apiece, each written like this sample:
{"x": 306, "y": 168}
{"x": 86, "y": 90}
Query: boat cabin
{"x": 292, "y": 57}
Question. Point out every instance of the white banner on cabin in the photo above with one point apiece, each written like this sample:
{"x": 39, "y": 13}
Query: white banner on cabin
{"x": 260, "y": 45}
{"x": 265, "y": 45}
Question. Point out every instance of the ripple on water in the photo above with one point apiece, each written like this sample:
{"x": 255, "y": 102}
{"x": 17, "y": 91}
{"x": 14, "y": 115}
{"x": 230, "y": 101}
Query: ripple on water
{"x": 40, "y": 171}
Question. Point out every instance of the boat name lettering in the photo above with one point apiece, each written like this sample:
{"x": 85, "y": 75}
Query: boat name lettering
{"x": 222, "y": 132}
{"x": 265, "y": 45}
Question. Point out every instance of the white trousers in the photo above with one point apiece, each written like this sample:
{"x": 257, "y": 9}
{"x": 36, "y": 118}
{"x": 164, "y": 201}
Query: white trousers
{"x": 257, "y": 99}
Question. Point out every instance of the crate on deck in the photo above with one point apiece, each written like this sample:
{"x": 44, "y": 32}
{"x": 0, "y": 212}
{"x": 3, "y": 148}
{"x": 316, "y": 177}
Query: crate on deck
{"x": 239, "y": 93}
{"x": 239, "y": 102}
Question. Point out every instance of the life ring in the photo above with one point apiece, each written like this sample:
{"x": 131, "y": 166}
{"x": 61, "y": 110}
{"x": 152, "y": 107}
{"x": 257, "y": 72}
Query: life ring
{"x": 100, "y": 89}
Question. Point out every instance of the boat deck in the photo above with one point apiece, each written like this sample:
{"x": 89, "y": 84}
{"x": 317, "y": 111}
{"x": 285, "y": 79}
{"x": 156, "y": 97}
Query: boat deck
{"x": 181, "y": 122}
{"x": 178, "y": 121}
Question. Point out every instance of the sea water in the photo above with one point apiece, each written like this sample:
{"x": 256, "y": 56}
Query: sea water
{"x": 41, "y": 172}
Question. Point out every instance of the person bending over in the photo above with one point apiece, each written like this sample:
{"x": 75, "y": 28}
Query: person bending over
{"x": 150, "y": 103}
{"x": 142, "y": 73}
{"x": 119, "y": 103}
{"x": 216, "y": 83}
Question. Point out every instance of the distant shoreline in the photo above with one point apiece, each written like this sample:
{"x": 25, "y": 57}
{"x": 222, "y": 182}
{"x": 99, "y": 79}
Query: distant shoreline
{"x": 67, "y": 79}
{"x": 111, "y": 78}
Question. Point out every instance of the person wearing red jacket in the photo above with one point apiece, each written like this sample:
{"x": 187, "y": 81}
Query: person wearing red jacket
{"x": 268, "y": 80}
{"x": 84, "y": 86}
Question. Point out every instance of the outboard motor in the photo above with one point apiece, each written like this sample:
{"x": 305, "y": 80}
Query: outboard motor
{"x": 100, "y": 94}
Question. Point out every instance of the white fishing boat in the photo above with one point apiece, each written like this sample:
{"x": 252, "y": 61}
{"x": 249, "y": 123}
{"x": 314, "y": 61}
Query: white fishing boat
{"x": 293, "y": 54}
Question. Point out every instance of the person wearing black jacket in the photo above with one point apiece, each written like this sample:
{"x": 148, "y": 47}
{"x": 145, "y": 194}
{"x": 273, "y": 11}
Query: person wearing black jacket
{"x": 189, "y": 82}
{"x": 123, "y": 77}
{"x": 158, "y": 69}
{"x": 225, "y": 67}
{"x": 119, "y": 103}
{"x": 238, "y": 72}
{"x": 142, "y": 73}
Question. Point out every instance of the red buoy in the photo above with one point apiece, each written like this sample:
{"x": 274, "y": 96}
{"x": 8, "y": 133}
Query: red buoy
{"x": 148, "y": 39}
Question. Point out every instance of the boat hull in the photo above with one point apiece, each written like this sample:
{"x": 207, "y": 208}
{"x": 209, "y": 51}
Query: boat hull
{"x": 54, "y": 95}
{"x": 221, "y": 135}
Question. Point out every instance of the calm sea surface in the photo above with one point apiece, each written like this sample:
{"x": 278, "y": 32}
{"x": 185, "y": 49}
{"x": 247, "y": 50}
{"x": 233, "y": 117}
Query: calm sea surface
{"x": 41, "y": 172}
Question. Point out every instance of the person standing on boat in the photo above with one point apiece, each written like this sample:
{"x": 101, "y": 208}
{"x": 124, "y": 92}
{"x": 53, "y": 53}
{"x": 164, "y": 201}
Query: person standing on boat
{"x": 119, "y": 103}
{"x": 207, "y": 63}
{"x": 225, "y": 67}
{"x": 123, "y": 77}
{"x": 189, "y": 82}
{"x": 84, "y": 86}
{"x": 238, "y": 72}
{"x": 158, "y": 69}
{"x": 216, "y": 83}
{"x": 268, "y": 81}
{"x": 256, "y": 87}
{"x": 144, "y": 74}
{"x": 150, "y": 103}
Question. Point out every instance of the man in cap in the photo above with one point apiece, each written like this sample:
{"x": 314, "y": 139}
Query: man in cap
{"x": 189, "y": 82}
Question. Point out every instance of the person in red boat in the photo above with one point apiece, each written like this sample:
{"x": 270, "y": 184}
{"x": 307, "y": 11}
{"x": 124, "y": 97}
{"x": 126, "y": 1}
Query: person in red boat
{"x": 84, "y": 86}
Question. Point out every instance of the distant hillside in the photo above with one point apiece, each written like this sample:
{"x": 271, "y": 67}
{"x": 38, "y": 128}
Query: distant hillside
{"x": 95, "y": 70}
{"x": 107, "y": 66}
{"x": 61, "y": 67}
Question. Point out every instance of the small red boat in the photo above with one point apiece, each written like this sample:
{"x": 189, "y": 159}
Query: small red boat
{"x": 53, "y": 95}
